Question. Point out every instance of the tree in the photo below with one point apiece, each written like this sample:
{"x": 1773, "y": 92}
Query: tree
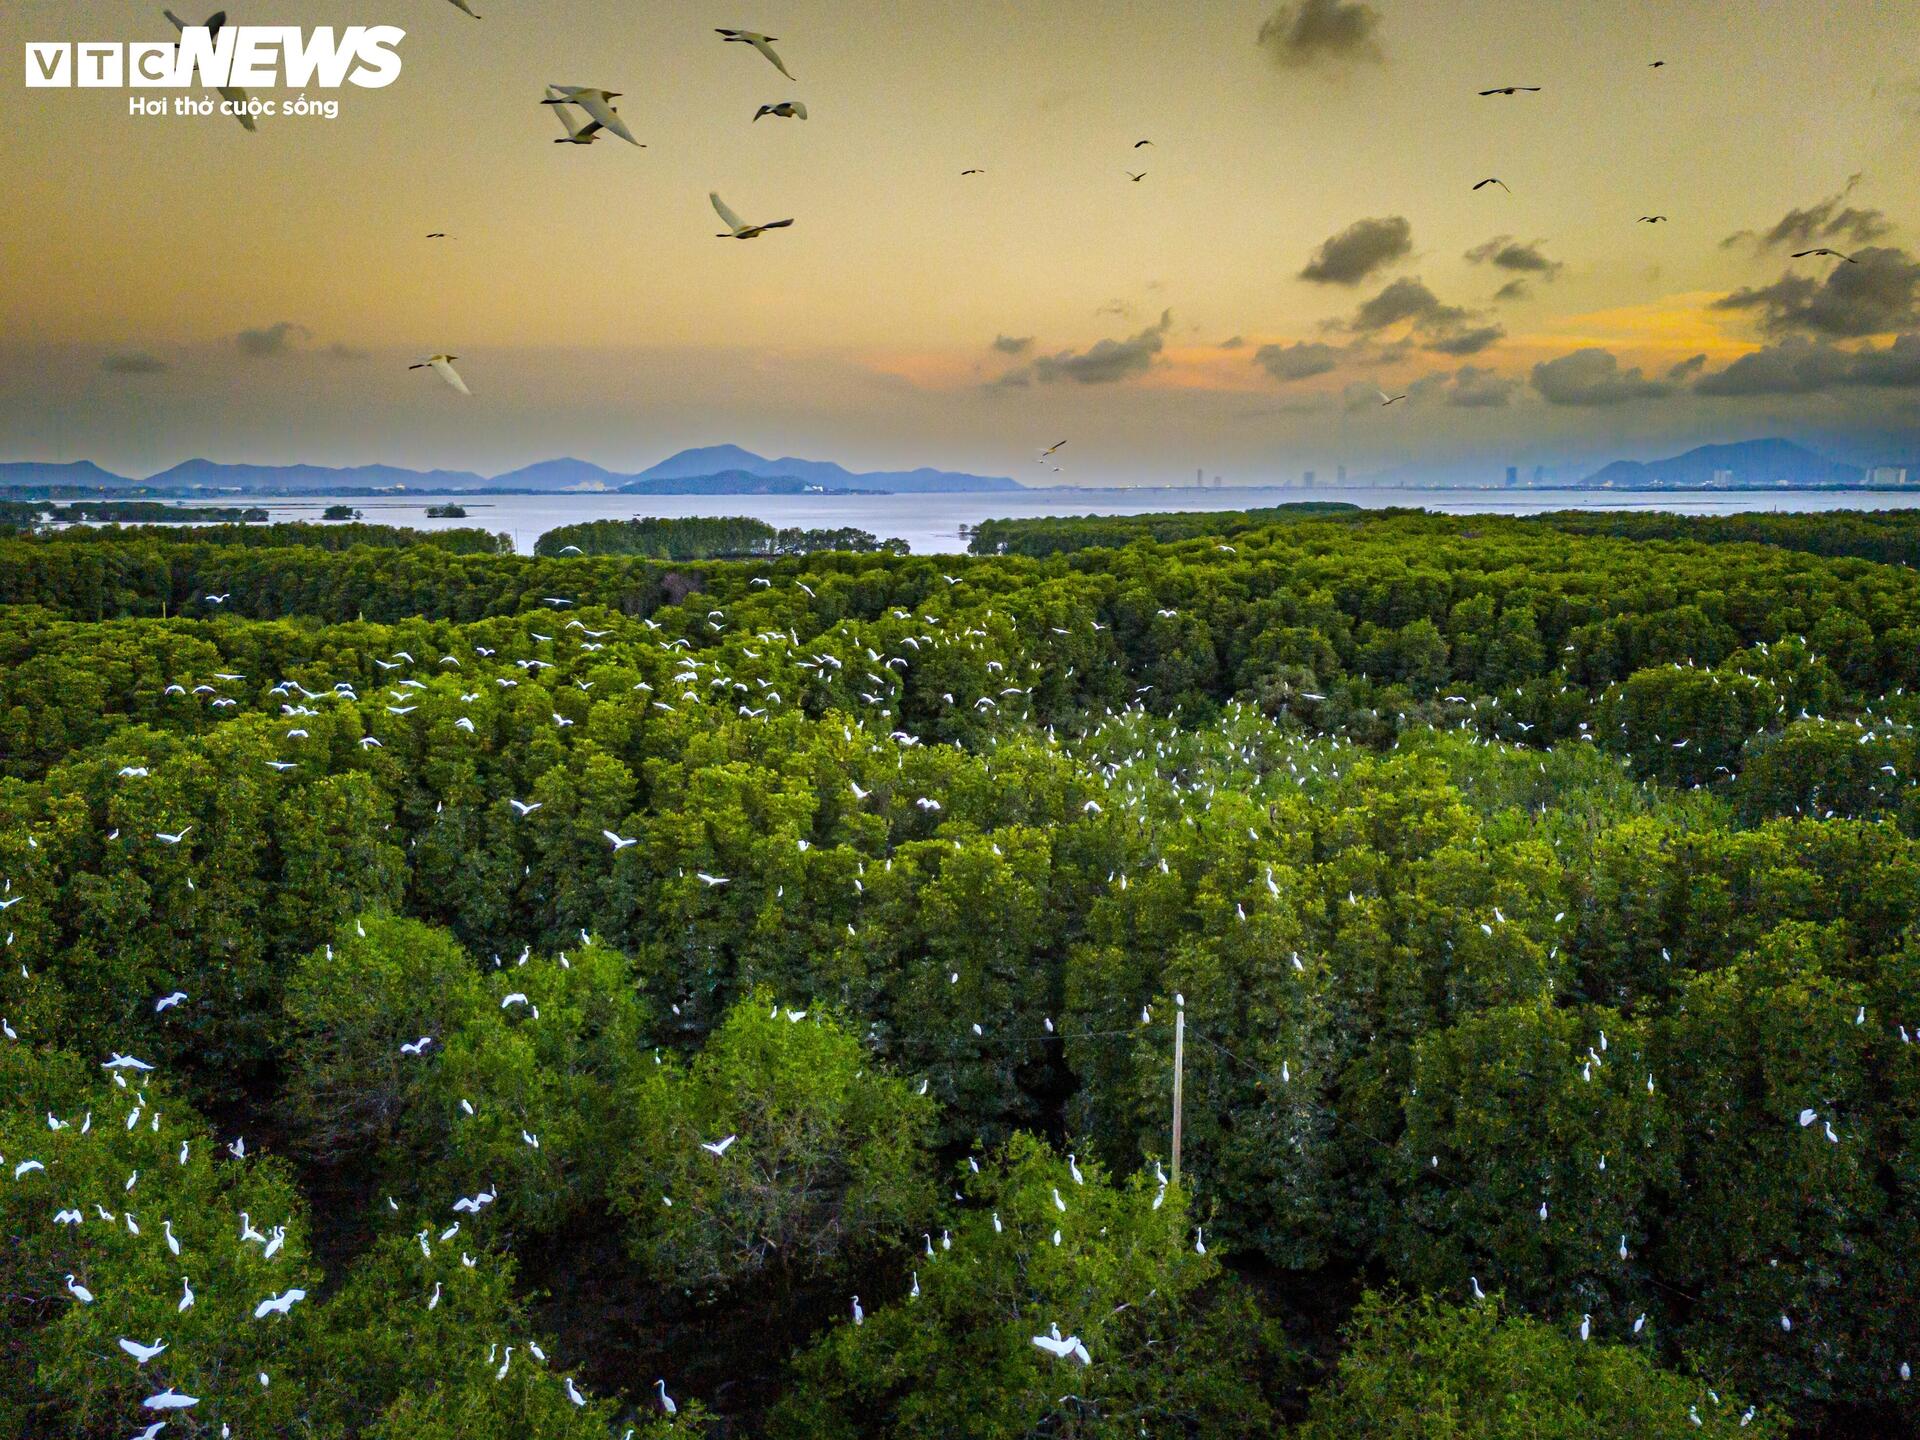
{"x": 1432, "y": 1371}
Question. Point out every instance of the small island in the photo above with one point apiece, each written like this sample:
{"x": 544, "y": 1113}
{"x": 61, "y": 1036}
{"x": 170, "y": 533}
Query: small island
{"x": 445, "y": 512}
{"x": 339, "y": 512}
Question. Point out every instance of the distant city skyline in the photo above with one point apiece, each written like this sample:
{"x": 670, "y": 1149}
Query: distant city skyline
{"x": 1305, "y": 236}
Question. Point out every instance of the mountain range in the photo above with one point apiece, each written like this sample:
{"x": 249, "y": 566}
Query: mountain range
{"x": 1749, "y": 462}
{"x": 711, "y": 470}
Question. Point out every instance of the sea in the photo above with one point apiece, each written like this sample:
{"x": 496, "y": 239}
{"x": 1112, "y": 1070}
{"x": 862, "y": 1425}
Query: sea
{"x": 938, "y": 524}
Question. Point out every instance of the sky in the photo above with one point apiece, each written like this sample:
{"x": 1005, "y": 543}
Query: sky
{"x": 1306, "y": 236}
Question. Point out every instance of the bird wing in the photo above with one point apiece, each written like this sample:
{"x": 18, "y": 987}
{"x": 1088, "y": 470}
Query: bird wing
{"x": 732, "y": 221}
{"x": 447, "y": 373}
{"x": 799, "y": 109}
{"x": 601, "y": 110}
{"x": 759, "y": 43}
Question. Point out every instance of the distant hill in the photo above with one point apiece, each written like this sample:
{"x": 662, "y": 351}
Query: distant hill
{"x": 559, "y": 475}
{"x": 21, "y": 474}
{"x": 211, "y": 475}
{"x": 1749, "y": 462}
{"x": 719, "y": 459}
{"x": 726, "y": 482}
{"x": 715, "y": 467}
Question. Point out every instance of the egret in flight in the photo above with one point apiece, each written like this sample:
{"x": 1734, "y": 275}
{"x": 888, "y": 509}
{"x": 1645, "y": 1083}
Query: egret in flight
{"x": 232, "y": 94}
{"x": 442, "y": 365}
{"x": 737, "y": 228}
{"x": 597, "y": 103}
{"x": 785, "y": 110}
{"x": 762, "y": 43}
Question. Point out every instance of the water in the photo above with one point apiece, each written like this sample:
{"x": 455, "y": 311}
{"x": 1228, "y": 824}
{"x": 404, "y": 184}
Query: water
{"x": 931, "y": 524}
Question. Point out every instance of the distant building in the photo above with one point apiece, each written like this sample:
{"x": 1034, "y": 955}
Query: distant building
{"x": 1513, "y": 476}
{"x": 1722, "y": 478}
{"x": 1887, "y": 475}
{"x": 1306, "y": 480}
{"x": 1541, "y": 474}
{"x": 1340, "y": 475}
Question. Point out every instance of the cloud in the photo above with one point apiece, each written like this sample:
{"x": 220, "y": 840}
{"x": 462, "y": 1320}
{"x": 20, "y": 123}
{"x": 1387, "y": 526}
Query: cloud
{"x": 1322, "y": 32}
{"x": 273, "y": 340}
{"x": 1691, "y": 366}
{"x": 136, "y": 362}
{"x": 1513, "y": 290}
{"x": 1828, "y": 219}
{"x": 1469, "y": 341}
{"x": 1438, "y": 326}
{"x": 340, "y": 350}
{"x": 1473, "y": 388}
{"x": 1357, "y": 251}
{"x": 1406, "y": 300}
{"x": 1103, "y": 363}
{"x": 1297, "y": 362}
{"x": 1503, "y": 252}
{"x": 1013, "y": 344}
{"x": 1798, "y": 366}
{"x": 1877, "y": 296}
{"x": 1593, "y": 377}
{"x": 1233, "y": 342}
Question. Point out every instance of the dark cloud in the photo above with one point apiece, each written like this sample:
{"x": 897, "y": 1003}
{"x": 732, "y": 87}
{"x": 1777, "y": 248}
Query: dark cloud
{"x": 273, "y": 340}
{"x": 1687, "y": 368}
{"x": 1297, "y": 362}
{"x": 137, "y": 362}
{"x": 1474, "y": 388}
{"x": 1513, "y": 290}
{"x": 1234, "y": 343}
{"x": 1593, "y": 377}
{"x": 1322, "y": 32}
{"x": 1013, "y": 344}
{"x": 1103, "y": 363}
{"x": 1798, "y": 366}
{"x": 1503, "y": 252}
{"x": 1467, "y": 341}
{"x": 1406, "y": 300}
{"x": 1828, "y": 219}
{"x": 1357, "y": 251}
{"x": 1877, "y": 296}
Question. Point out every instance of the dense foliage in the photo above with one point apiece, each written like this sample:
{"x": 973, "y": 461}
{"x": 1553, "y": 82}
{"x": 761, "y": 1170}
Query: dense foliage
{"x": 701, "y": 537}
{"x": 761, "y": 979}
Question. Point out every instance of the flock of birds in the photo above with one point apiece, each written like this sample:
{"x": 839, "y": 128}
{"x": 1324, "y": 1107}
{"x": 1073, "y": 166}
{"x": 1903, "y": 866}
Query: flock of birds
{"x": 741, "y": 672}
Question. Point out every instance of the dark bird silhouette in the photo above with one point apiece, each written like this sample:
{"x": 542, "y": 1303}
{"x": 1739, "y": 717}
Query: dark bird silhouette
{"x": 1656, "y": 64}
{"x": 1138, "y": 143}
{"x": 1650, "y": 219}
{"x": 1803, "y": 254}
{"x": 973, "y": 172}
{"x": 1133, "y": 177}
{"x": 1494, "y": 180}
{"x": 438, "y": 235}
{"x": 1510, "y": 89}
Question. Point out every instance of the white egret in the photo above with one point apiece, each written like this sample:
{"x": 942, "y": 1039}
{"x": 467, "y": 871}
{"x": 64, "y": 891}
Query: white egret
{"x": 442, "y": 365}
{"x": 762, "y": 43}
{"x": 738, "y": 229}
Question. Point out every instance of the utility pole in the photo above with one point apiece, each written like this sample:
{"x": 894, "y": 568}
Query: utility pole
{"x": 1179, "y": 1075}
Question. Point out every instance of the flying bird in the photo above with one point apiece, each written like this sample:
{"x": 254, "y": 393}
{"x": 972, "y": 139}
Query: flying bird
{"x": 1136, "y": 179}
{"x": 762, "y": 43}
{"x": 1510, "y": 89}
{"x": 718, "y": 1147}
{"x": 965, "y": 173}
{"x": 1386, "y": 399}
{"x": 1138, "y": 143}
{"x": 785, "y": 110}
{"x": 463, "y": 7}
{"x": 1650, "y": 220}
{"x": 738, "y": 229}
{"x": 579, "y": 132}
{"x": 232, "y": 94}
{"x": 598, "y": 105}
{"x": 442, "y": 365}
{"x": 1835, "y": 254}
{"x": 1494, "y": 180}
